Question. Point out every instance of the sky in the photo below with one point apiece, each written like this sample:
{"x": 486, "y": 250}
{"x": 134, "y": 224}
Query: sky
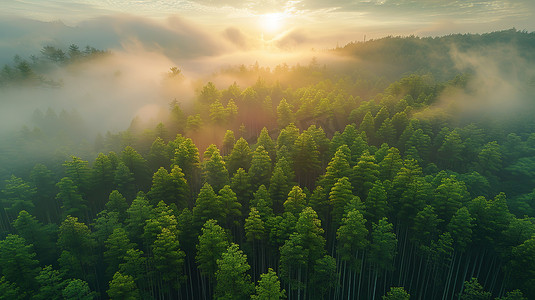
{"x": 253, "y": 24}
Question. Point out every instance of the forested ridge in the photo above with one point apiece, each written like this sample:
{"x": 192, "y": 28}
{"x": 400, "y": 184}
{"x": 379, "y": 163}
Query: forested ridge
{"x": 374, "y": 179}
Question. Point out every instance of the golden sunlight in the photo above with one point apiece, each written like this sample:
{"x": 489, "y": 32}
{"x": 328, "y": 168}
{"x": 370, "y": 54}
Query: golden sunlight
{"x": 271, "y": 23}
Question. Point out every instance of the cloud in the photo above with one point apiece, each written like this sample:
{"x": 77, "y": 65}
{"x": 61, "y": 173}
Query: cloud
{"x": 174, "y": 37}
{"x": 499, "y": 89}
{"x": 237, "y": 37}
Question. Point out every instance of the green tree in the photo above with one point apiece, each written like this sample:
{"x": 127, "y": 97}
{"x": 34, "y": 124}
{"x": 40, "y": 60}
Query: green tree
{"x": 17, "y": 196}
{"x": 397, "y": 293}
{"x": 269, "y": 287}
{"x": 159, "y": 155}
{"x": 306, "y": 159}
{"x": 337, "y": 168}
{"x": 450, "y": 195}
{"x": 230, "y": 206}
{"x": 301, "y": 250}
{"x": 124, "y": 181}
{"x": 42, "y": 237}
{"x": 18, "y": 262}
{"x": 137, "y": 215}
{"x": 287, "y": 138}
{"x": 367, "y": 126}
{"x": 78, "y": 289}
{"x": 523, "y": 258}
{"x": 240, "y": 157}
{"x": 460, "y": 227}
{"x": 390, "y": 165}
{"x": 187, "y": 158}
{"x": 171, "y": 188}
{"x": 265, "y": 140}
{"x": 77, "y": 246}
{"x": 296, "y": 201}
{"x": 240, "y": 183}
{"x": 212, "y": 243}
{"x": 232, "y": 279}
{"x": 168, "y": 258}
{"x": 135, "y": 265}
{"x": 79, "y": 172}
{"x": 489, "y": 159}
{"x": 209, "y": 93}
{"x": 262, "y": 202}
{"x": 138, "y": 166}
{"x": 215, "y": 172}
{"x": 46, "y": 207}
{"x": 472, "y": 290}
{"x": 382, "y": 247}
{"x": 9, "y": 290}
{"x": 117, "y": 203}
{"x": 323, "y": 277}
{"x": 51, "y": 284}
{"x": 218, "y": 115}
{"x": 376, "y": 204}
{"x": 281, "y": 182}
{"x": 339, "y": 197}
{"x": 364, "y": 174}
{"x": 260, "y": 171}
{"x": 207, "y": 206}
{"x": 123, "y": 287}
{"x": 71, "y": 201}
{"x": 285, "y": 114}
{"x": 352, "y": 237}
{"x": 117, "y": 245}
{"x": 451, "y": 149}
{"x": 228, "y": 143}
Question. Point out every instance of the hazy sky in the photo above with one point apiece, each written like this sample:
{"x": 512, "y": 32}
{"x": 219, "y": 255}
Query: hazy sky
{"x": 211, "y": 27}
{"x": 372, "y": 17}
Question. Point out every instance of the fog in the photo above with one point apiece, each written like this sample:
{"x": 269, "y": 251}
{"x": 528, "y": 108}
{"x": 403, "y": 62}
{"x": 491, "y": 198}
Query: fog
{"x": 109, "y": 91}
{"x": 500, "y": 87}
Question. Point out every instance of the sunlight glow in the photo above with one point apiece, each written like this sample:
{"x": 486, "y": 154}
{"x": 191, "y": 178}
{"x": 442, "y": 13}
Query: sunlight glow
{"x": 271, "y": 23}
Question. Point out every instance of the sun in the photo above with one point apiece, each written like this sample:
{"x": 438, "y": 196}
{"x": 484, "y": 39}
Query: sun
{"x": 271, "y": 23}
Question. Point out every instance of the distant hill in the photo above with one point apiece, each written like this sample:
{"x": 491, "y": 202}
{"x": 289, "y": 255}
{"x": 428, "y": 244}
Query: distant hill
{"x": 394, "y": 56}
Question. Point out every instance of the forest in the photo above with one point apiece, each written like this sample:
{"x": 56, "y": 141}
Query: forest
{"x": 405, "y": 171}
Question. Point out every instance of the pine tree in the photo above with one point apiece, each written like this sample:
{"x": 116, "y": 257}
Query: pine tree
{"x": 207, "y": 206}
{"x": 215, "y": 172}
{"x": 212, "y": 243}
{"x": 71, "y": 201}
{"x": 18, "y": 262}
{"x": 260, "y": 171}
{"x": 240, "y": 157}
{"x": 296, "y": 201}
{"x": 232, "y": 279}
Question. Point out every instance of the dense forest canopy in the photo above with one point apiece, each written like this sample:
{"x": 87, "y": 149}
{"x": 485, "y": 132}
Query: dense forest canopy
{"x": 392, "y": 168}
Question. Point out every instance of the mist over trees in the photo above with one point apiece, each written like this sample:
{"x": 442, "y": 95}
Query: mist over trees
{"x": 399, "y": 175}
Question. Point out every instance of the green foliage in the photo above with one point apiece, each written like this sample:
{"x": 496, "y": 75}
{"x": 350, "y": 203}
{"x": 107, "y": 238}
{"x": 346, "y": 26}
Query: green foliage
{"x": 352, "y": 237}
{"x": 17, "y": 196}
{"x": 78, "y": 289}
{"x": 397, "y": 293}
{"x": 260, "y": 171}
{"x": 474, "y": 291}
{"x": 123, "y": 287}
{"x": 269, "y": 287}
{"x": 18, "y": 263}
{"x": 232, "y": 280}
{"x": 212, "y": 243}
{"x": 383, "y": 245}
{"x": 214, "y": 170}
